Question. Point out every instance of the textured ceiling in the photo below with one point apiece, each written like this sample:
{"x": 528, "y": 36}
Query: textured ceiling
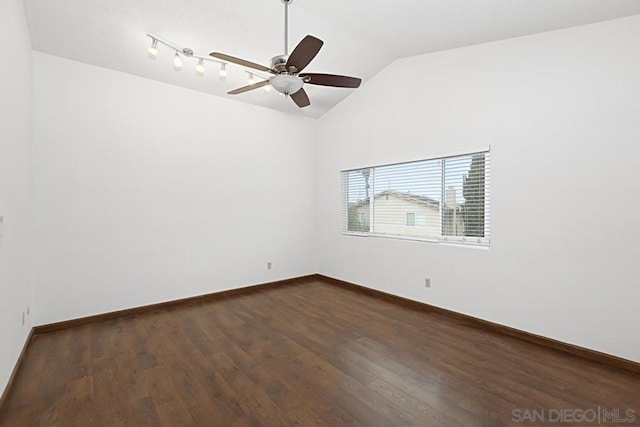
{"x": 361, "y": 36}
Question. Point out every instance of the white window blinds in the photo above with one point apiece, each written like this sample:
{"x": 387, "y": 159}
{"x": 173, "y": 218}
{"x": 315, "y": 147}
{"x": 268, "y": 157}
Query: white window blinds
{"x": 442, "y": 199}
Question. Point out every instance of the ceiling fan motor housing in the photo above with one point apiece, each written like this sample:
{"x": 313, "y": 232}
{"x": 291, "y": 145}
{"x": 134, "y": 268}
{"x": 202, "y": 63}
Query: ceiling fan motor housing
{"x": 279, "y": 63}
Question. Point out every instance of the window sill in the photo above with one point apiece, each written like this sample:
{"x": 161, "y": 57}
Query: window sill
{"x": 453, "y": 243}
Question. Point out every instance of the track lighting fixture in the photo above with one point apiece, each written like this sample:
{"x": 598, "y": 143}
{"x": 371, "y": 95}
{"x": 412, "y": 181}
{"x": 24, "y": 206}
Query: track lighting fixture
{"x": 186, "y": 53}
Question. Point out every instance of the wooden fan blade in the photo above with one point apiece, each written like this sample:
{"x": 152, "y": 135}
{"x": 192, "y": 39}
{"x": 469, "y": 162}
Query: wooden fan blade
{"x": 302, "y": 55}
{"x": 331, "y": 80}
{"x": 301, "y": 98}
{"x": 242, "y": 62}
{"x": 244, "y": 89}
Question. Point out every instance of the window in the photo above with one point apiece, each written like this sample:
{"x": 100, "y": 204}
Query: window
{"x": 443, "y": 199}
{"x": 414, "y": 219}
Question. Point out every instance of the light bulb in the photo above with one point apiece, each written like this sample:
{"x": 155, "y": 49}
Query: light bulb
{"x": 200, "y": 67}
{"x": 153, "y": 49}
{"x": 251, "y": 79}
{"x": 223, "y": 71}
{"x": 177, "y": 62}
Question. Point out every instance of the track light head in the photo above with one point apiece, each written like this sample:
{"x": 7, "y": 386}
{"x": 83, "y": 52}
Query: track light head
{"x": 200, "y": 67}
{"x": 177, "y": 61}
{"x": 153, "y": 49}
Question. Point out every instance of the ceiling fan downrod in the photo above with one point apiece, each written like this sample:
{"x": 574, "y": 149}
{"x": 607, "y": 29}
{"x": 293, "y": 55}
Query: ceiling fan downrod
{"x": 286, "y": 26}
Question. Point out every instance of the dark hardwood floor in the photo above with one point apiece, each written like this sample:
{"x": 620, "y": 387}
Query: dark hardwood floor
{"x": 307, "y": 353}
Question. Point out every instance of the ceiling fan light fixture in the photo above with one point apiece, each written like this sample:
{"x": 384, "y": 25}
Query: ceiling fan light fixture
{"x": 286, "y": 84}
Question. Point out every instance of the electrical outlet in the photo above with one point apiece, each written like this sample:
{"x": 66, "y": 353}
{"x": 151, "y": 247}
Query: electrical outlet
{"x": 269, "y": 265}
{"x": 427, "y": 283}
{"x": 28, "y": 310}
{"x": 23, "y": 315}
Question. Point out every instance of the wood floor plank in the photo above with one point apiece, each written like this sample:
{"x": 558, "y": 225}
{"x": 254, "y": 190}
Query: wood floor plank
{"x": 301, "y": 354}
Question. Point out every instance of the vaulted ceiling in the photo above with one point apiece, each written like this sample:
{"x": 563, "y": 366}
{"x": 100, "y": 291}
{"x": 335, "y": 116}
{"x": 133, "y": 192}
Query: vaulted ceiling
{"x": 361, "y": 36}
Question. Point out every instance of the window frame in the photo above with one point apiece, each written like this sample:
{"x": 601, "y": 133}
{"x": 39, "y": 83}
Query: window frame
{"x": 467, "y": 241}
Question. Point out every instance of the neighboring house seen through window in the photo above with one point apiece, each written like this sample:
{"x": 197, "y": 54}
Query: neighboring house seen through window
{"x": 443, "y": 199}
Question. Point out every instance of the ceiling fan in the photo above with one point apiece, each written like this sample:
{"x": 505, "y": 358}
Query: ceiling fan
{"x": 287, "y": 77}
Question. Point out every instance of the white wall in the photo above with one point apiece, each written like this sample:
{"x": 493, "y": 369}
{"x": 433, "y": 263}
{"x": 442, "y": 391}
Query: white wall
{"x": 561, "y": 111}
{"x": 146, "y": 192}
{"x": 15, "y": 183}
